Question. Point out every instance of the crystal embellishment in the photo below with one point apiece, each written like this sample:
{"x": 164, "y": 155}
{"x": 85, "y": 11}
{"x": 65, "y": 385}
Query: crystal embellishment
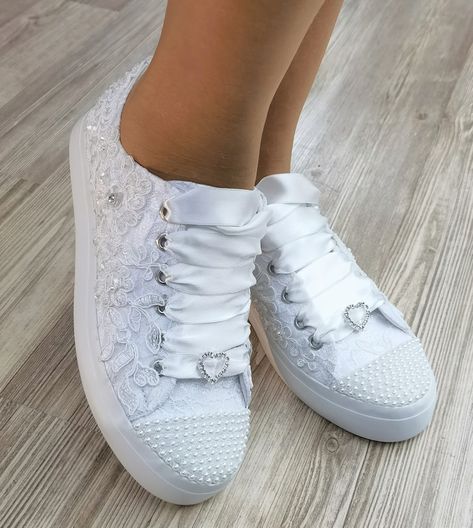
{"x": 205, "y": 364}
{"x": 114, "y": 197}
{"x": 357, "y": 315}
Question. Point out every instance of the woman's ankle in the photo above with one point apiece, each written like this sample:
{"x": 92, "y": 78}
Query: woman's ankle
{"x": 164, "y": 137}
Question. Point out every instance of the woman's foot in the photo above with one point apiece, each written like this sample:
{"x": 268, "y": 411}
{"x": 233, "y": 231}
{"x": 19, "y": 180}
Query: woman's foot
{"x": 334, "y": 338}
{"x": 163, "y": 271}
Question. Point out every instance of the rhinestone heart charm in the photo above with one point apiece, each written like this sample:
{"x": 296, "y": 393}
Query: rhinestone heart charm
{"x": 357, "y": 315}
{"x": 215, "y": 362}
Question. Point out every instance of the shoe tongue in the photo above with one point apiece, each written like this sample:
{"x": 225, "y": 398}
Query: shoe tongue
{"x": 290, "y": 188}
{"x": 214, "y": 206}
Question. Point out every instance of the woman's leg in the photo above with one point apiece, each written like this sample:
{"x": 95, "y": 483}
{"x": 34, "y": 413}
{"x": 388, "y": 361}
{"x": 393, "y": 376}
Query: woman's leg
{"x": 284, "y": 111}
{"x": 199, "y": 111}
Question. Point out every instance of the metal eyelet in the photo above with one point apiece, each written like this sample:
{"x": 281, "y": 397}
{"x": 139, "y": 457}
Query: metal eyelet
{"x": 161, "y": 277}
{"x": 162, "y": 242}
{"x": 284, "y": 296}
{"x": 164, "y": 213}
{"x": 271, "y": 269}
{"x": 298, "y": 323}
{"x": 316, "y": 345}
{"x": 158, "y": 367}
{"x": 160, "y": 308}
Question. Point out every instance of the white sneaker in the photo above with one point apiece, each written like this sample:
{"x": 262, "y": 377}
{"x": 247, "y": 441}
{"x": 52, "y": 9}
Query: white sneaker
{"x": 162, "y": 294}
{"x": 334, "y": 338}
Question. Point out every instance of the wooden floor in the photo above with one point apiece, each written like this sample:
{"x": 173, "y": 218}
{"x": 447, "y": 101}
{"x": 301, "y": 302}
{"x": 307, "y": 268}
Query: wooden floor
{"x": 388, "y": 133}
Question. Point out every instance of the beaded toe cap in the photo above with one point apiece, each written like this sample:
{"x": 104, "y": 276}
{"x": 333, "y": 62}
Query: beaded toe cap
{"x": 396, "y": 379}
{"x": 206, "y": 449}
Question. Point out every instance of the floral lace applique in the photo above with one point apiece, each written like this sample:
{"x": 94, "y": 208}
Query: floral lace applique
{"x": 130, "y": 328}
{"x": 266, "y": 294}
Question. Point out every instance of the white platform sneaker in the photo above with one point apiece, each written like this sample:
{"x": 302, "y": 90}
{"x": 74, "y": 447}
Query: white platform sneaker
{"x": 334, "y": 338}
{"x": 162, "y": 295}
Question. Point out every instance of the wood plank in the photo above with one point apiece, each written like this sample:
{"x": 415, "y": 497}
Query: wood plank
{"x": 425, "y": 478}
{"x": 51, "y": 471}
{"x": 37, "y": 280}
{"x": 35, "y": 124}
{"x": 39, "y": 37}
{"x": 114, "y": 5}
{"x": 11, "y": 10}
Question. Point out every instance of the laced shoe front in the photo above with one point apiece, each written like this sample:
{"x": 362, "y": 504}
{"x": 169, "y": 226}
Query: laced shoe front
{"x": 163, "y": 277}
{"x": 335, "y": 339}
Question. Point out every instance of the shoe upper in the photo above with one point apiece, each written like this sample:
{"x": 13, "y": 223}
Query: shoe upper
{"x": 322, "y": 312}
{"x": 175, "y": 265}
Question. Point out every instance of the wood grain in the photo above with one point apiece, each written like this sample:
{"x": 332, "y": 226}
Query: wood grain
{"x": 388, "y": 134}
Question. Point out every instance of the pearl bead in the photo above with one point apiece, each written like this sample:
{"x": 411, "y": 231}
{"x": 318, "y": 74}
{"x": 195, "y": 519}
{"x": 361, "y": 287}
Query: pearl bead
{"x": 397, "y": 378}
{"x": 216, "y": 444}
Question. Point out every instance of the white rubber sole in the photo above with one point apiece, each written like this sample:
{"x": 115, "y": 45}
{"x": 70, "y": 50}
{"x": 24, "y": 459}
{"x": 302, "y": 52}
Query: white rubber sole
{"x": 383, "y": 424}
{"x": 137, "y": 458}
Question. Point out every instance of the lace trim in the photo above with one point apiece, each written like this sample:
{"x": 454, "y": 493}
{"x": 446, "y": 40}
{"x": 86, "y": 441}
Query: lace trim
{"x": 278, "y": 321}
{"x": 123, "y": 192}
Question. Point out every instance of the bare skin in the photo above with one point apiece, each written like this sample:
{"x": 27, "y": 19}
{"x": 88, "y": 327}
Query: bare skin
{"x": 286, "y": 106}
{"x": 224, "y": 79}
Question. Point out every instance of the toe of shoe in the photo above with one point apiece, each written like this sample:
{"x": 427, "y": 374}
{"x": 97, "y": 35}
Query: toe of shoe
{"x": 202, "y": 451}
{"x": 398, "y": 389}
{"x": 397, "y": 378}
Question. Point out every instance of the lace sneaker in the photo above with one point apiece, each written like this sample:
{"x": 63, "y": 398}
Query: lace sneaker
{"x": 334, "y": 338}
{"x": 162, "y": 295}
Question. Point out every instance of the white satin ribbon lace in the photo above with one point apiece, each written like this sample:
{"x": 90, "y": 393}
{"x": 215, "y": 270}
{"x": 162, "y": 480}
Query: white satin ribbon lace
{"x": 324, "y": 277}
{"x": 209, "y": 280}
